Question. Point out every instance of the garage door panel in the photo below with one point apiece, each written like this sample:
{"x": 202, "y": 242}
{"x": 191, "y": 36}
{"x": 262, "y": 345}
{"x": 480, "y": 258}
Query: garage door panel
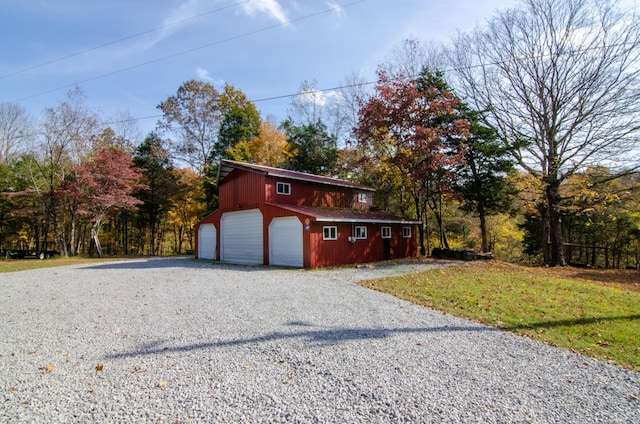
{"x": 242, "y": 237}
{"x": 285, "y": 242}
{"x": 207, "y": 241}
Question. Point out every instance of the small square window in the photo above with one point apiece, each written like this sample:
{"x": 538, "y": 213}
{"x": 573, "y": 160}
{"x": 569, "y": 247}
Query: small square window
{"x": 283, "y": 188}
{"x": 330, "y": 233}
{"x": 361, "y": 232}
{"x": 385, "y": 232}
{"x": 406, "y": 232}
{"x": 362, "y": 197}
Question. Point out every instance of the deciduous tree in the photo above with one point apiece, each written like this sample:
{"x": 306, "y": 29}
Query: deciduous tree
{"x": 559, "y": 80}
{"x": 268, "y": 148}
{"x": 65, "y": 140}
{"x": 105, "y": 183}
{"x": 15, "y": 130}
{"x": 414, "y": 126}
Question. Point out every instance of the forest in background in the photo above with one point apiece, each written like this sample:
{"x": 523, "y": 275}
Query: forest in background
{"x": 531, "y": 153}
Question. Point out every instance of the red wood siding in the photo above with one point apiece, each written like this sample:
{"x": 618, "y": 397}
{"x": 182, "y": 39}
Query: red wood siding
{"x": 309, "y": 194}
{"x": 242, "y": 190}
{"x": 371, "y": 249}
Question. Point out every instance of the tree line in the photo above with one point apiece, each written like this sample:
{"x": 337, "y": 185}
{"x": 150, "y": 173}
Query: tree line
{"x": 520, "y": 138}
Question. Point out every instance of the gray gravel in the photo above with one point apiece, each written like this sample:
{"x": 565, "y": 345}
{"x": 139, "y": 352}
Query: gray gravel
{"x": 178, "y": 340}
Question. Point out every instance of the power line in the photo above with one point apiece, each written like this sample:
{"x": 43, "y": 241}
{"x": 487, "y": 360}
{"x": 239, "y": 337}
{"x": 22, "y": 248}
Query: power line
{"x": 191, "y": 50}
{"x": 120, "y": 40}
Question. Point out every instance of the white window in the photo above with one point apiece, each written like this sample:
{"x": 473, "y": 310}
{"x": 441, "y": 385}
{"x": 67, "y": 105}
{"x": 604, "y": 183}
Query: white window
{"x": 406, "y": 232}
{"x": 329, "y": 233}
{"x": 362, "y": 197}
{"x": 385, "y": 232}
{"x": 361, "y": 232}
{"x": 283, "y": 188}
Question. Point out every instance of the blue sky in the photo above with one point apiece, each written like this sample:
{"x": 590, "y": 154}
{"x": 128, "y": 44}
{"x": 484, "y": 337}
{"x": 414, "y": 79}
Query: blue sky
{"x": 131, "y": 55}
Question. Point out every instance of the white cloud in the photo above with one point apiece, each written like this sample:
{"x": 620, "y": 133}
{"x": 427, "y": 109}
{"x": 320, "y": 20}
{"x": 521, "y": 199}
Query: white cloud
{"x": 204, "y": 75}
{"x": 311, "y": 96}
{"x": 271, "y": 7}
{"x": 337, "y": 9}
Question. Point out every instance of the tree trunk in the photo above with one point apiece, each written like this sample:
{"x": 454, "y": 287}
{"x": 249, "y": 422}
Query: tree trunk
{"x": 556, "y": 241}
{"x": 51, "y": 206}
{"x": 483, "y": 230}
{"x": 420, "y": 216}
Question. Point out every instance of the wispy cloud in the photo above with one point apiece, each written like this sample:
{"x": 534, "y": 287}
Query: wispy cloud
{"x": 337, "y": 9}
{"x": 204, "y": 75}
{"x": 270, "y": 7}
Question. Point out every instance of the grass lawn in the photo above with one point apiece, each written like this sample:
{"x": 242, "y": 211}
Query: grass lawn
{"x": 12, "y": 265}
{"x": 596, "y": 313}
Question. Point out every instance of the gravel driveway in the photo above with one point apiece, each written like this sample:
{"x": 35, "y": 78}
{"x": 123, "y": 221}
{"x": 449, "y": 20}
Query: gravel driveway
{"x": 179, "y": 340}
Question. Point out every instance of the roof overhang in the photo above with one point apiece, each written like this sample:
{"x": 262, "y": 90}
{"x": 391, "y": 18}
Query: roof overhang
{"x": 226, "y": 166}
{"x": 347, "y": 216}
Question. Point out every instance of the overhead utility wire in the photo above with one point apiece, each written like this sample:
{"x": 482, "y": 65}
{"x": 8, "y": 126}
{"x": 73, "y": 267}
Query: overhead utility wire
{"x": 120, "y": 40}
{"x": 361, "y": 84}
{"x": 183, "y": 52}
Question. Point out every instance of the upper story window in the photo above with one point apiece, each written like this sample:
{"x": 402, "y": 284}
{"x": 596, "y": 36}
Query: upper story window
{"x": 283, "y": 188}
{"x": 361, "y": 232}
{"x": 362, "y": 197}
{"x": 406, "y": 232}
{"x": 385, "y": 232}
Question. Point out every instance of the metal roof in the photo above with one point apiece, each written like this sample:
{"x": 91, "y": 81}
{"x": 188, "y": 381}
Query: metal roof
{"x": 226, "y": 166}
{"x": 339, "y": 215}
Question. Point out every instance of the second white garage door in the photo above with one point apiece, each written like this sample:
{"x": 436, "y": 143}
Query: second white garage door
{"x": 241, "y": 237}
{"x": 285, "y": 242}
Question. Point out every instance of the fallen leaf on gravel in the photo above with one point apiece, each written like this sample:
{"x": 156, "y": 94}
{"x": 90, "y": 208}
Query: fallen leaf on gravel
{"x": 32, "y": 352}
{"x": 162, "y": 383}
{"x": 47, "y": 369}
{"x": 13, "y": 389}
{"x": 634, "y": 397}
{"x": 99, "y": 367}
{"x": 136, "y": 370}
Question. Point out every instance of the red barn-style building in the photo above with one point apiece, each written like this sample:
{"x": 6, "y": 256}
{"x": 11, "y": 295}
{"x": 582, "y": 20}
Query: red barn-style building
{"x": 273, "y": 216}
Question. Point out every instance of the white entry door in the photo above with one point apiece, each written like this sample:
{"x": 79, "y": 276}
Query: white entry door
{"x": 241, "y": 237}
{"x": 285, "y": 242}
{"x": 207, "y": 241}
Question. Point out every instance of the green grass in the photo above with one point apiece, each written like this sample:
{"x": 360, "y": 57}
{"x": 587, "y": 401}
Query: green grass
{"x": 593, "y": 319}
{"x": 13, "y": 265}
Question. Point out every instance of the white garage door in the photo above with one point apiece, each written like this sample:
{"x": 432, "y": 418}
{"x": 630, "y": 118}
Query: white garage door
{"x": 285, "y": 242}
{"x": 207, "y": 241}
{"x": 241, "y": 237}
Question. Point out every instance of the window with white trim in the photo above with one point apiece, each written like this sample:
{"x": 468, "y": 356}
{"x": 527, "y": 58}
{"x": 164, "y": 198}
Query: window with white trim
{"x": 385, "y": 232}
{"x": 362, "y": 197}
{"x": 329, "y": 233}
{"x": 361, "y": 232}
{"x": 283, "y": 188}
{"x": 406, "y": 232}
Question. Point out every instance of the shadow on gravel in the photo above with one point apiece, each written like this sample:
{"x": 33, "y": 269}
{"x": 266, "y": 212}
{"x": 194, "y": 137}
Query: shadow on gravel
{"x": 176, "y": 262}
{"x": 326, "y": 337}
